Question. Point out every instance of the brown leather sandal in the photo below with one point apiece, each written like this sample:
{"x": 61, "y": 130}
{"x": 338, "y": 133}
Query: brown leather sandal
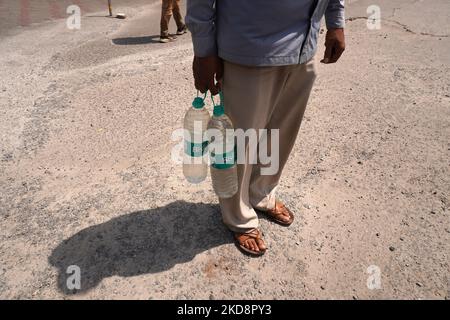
{"x": 240, "y": 239}
{"x": 279, "y": 210}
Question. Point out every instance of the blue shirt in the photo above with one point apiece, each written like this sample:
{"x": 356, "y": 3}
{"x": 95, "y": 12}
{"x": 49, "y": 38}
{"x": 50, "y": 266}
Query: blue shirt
{"x": 260, "y": 32}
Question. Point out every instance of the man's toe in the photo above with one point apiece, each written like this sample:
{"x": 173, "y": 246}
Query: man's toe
{"x": 261, "y": 245}
{"x": 254, "y": 245}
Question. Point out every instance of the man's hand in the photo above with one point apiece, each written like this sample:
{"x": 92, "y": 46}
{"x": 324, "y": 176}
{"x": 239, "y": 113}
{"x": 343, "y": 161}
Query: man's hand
{"x": 334, "y": 45}
{"x": 208, "y": 74}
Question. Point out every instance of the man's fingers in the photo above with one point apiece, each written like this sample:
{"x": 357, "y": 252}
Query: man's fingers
{"x": 219, "y": 84}
{"x": 328, "y": 53}
{"x": 219, "y": 79}
{"x": 334, "y": 45}
{"x": 200, "y": 85}
{"x": 202, "y": 89}
{"x": 337, "y": 53}
{"x": 197, "y": 83}
{"x": 219, "y": 73}
{"x": 208, "y": 70}
{"x": 219, "y": 76}
{"x": 338, "y": 49}
{"x": 213, "y": 87}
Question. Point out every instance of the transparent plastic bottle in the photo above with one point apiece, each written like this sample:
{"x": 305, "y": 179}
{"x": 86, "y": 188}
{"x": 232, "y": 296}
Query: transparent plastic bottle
{"x": 195, "y": 159}
{"x": 221, "y": 147}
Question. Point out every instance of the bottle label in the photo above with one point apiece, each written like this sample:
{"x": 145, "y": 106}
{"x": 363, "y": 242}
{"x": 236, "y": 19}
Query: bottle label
{"x": 223, "y": 160}
{"x": 195, "y": 149}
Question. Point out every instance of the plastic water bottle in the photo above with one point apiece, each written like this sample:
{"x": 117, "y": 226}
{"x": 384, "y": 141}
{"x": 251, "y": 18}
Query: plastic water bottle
{"x": 195, "y": 160}
{"x": 221, "y": 147}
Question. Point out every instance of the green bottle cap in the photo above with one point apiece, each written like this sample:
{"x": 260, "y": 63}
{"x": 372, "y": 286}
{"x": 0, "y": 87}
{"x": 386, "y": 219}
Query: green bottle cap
{"x": 218, "y": 110}
{"x": 198, "y": 103}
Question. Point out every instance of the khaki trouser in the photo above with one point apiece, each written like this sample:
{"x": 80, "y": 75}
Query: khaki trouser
{"x": 168, "y": 8}
{"x": 263, "y": 98}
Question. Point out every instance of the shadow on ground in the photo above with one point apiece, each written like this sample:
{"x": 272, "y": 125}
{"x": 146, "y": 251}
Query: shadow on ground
{"x": 141, "y": 242}
{"x": 136, "y": 40}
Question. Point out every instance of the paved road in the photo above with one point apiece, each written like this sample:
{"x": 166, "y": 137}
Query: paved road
{"x": 23, "y": 13}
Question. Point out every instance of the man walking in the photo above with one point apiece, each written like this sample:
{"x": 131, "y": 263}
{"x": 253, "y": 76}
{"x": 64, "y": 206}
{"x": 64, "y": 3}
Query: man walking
{"x": 169, "y": 7}
{"x": 260, "y": 54}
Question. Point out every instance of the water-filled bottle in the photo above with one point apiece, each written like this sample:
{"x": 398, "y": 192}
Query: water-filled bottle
{"x": 222, "y": 152}
{"x": 195, "y": 159}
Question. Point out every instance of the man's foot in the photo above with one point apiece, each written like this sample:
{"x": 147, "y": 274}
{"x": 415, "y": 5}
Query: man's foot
{"x": 250, "y": 242}
{"x": 166, "y": 39}
{"x": 182, "y": 30}
{"x": 280, "y": 214}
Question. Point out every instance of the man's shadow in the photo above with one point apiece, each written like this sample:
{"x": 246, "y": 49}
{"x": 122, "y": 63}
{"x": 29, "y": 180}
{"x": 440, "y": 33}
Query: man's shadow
{"x": 141, "y": 242}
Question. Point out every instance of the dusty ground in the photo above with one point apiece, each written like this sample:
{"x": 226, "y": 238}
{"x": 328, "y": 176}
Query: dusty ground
{"x": 86, "y": 178}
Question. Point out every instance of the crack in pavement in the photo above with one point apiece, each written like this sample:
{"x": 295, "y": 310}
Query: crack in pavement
{"x": 404, "y": 27}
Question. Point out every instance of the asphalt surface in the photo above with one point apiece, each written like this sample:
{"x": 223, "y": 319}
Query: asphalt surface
{"x": 16, "y": 14}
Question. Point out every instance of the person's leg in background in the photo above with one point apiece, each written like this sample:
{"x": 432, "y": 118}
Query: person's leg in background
{"x": 250, "y": 93}
{"x": 181, "y": 27}
{"x": 287, "y": 116}
{"x": 166, "y": 13}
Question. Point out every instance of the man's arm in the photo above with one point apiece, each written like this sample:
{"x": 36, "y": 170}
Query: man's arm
{"x": 200, "y": 20}
{"x": 335, "y": 14}
{"x": 335, "y": 39}
{"x": 207, "y": 66}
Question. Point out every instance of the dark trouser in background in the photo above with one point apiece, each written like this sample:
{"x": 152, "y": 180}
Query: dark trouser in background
{"x": 168, "y": 8}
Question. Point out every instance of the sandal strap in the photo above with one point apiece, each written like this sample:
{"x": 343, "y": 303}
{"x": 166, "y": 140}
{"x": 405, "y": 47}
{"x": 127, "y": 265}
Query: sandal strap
{"x": 277, "y": 210}
{"x": 252, "y": 234}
